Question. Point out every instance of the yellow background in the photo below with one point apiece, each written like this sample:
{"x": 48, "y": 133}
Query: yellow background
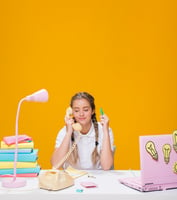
{"x": 122, "y": 52}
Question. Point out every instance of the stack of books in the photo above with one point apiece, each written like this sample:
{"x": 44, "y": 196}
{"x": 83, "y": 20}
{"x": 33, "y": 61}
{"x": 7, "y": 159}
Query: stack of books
{"x": 26, "y": 165}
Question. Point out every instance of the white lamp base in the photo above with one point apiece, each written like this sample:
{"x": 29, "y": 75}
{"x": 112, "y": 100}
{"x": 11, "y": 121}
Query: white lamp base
{"x": 13, "y": 183}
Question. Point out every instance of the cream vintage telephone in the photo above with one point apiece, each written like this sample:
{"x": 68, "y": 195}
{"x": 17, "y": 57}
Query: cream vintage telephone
{"x": 56, "y": 179}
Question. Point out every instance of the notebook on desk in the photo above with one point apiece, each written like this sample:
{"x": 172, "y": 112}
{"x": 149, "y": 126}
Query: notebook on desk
{"x": 158, "y": 164}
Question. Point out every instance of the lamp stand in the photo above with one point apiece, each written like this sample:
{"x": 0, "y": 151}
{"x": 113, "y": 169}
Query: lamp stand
{"x": 15, "y": 182}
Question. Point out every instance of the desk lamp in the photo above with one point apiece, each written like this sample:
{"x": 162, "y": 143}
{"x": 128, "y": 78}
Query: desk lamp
{"x": 14, "y": 182}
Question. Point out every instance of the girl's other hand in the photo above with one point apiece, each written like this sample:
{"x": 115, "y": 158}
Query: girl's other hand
{"x": 104, "y": 120}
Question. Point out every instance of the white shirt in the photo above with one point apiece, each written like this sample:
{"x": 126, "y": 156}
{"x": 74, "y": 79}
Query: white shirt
{"x": 86, "y": 145}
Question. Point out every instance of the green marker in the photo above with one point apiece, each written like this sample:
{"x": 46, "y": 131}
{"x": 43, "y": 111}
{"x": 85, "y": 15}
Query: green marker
{"x": 101, "y": 111}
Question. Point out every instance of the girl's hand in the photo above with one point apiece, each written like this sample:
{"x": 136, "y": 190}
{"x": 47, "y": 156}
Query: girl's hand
{"x": 69, "y": 121}
{"x": 104, "y": 120}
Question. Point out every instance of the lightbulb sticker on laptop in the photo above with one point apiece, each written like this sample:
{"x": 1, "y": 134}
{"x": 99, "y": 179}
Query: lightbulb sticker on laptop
{"x": 151, "y": 149}
{"x": 166, "y": 152}
{"x": 175, "y": 168}
{"x": 175, "y": 140}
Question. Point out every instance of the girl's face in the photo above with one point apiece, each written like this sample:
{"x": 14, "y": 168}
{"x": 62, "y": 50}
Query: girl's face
{"x": 82, "y": 111}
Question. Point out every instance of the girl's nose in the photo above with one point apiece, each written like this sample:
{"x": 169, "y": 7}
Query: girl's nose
{"x": 81, "y": 113}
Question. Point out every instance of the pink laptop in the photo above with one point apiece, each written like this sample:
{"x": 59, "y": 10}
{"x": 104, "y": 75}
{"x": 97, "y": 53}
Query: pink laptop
{"x": 158, "y": 160}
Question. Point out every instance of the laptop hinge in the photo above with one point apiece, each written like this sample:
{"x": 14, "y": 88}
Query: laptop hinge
{"x": 149, "y": 183}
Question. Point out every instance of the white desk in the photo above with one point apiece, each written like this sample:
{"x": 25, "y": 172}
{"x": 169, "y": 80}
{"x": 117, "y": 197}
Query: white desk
{"x": 108, "y": 188}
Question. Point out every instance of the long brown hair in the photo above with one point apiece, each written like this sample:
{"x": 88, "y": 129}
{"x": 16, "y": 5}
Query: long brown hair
{"x": 90, "y": 99}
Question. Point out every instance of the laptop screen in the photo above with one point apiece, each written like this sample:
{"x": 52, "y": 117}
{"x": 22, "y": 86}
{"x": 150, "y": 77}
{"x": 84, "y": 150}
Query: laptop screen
{"x": 158, "y": 159}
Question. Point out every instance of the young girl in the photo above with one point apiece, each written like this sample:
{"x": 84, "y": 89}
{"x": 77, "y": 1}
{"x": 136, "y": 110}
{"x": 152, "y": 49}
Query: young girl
{"x": 94, "y": 149}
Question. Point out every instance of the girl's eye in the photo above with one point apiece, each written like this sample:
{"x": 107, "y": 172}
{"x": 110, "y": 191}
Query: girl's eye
{"x": 85, "y": 110}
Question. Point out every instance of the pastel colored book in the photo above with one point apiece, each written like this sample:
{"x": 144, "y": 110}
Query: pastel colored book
{"x": 75, "y": 173}
{"x": 20, "y": 170}
{"x": 9, "y": 164}
{"x": 26, "y": 157}
{"x": 21, "y": 175}
{"x": 20, "y": 145}
{"x": 12, "y": 139}
{"x": 12, "y": 151}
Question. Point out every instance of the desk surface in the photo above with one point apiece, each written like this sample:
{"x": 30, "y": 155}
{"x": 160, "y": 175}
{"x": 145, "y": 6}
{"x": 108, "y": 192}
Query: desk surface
{"x": 108, "y": 188}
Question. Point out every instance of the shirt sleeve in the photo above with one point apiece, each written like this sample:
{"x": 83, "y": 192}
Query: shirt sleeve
{"x": 60, "y": 137}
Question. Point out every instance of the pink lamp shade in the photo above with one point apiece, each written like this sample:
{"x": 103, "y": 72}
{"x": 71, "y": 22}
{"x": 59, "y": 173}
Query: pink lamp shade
{"x": 14, "y": 182}
{"x": 39, "y": 96}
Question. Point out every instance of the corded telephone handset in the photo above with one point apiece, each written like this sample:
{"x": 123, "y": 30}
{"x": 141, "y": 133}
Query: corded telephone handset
{"x": 77, "y": 127}
{"x": 69, "y": 114}
{"x": 56, "y": 179}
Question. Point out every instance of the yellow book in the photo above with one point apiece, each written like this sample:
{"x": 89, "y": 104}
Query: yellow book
{"x": 7, "y": 165}
{"x": 25, "y": 145}
{"x": 75, "y": 173}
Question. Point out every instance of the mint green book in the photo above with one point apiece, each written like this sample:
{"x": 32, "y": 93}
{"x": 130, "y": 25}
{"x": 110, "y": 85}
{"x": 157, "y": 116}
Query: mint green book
{"x": 13, "y": 151}
{"x": 21, "y": 157}
{"x": 20, "y": 170}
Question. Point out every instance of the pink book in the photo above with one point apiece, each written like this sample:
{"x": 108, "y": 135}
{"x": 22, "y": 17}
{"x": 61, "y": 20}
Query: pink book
{"x": 21, "y": 175}
{"x": 21, "y": 138}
